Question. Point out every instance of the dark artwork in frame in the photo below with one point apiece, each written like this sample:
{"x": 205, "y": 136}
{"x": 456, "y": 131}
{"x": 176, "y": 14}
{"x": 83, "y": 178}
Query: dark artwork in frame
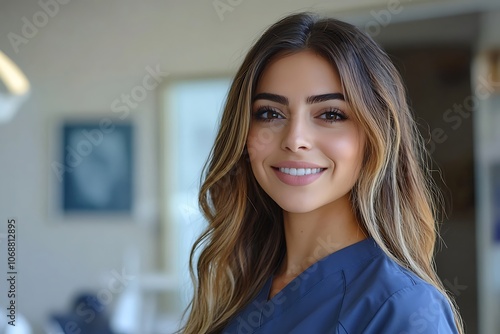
{"x": 101, "y": 176}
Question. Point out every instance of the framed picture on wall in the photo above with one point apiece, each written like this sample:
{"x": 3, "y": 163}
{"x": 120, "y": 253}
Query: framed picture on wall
{"x": 101, "y": 175}
{"x": 93, "y": 169}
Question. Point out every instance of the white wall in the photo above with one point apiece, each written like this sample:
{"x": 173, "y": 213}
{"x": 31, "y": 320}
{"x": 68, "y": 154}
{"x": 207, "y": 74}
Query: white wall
{"x": 79, "y": 62}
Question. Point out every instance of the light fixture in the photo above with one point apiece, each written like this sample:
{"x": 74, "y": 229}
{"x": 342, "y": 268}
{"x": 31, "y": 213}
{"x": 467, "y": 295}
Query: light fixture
{"x": 17, "y": 86}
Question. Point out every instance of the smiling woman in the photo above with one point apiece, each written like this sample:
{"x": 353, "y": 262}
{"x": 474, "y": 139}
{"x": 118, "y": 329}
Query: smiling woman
{"x": 320, "y": 212}
{"x": 300, "y": 96}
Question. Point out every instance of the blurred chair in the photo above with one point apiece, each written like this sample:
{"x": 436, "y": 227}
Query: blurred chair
{"x": 87, "y": 316}
{"x": 137, "y": 309}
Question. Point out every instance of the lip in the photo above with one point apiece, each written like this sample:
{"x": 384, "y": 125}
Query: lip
{"x": 296, "y": 180}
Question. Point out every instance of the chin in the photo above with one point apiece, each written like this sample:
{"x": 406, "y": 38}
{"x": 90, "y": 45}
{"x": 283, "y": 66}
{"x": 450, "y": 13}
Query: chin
{"x": 298, "y": 205}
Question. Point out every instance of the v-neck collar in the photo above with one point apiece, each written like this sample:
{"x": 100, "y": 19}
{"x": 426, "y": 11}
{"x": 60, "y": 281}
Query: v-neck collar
{"x": 332, "y": 264}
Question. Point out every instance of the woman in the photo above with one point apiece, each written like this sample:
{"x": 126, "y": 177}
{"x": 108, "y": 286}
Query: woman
{"x": 320, "y": 212}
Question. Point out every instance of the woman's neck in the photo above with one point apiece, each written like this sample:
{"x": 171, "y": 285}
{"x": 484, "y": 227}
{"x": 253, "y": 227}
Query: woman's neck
{"x": 313, "y": 235}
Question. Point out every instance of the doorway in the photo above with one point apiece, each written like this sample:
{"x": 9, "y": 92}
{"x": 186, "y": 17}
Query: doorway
{"x": 437, "y": 73}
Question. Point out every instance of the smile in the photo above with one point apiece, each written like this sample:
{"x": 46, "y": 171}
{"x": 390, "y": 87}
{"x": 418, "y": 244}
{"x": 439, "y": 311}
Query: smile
{"x": 298, "y": 176}
{"x": 301, "y": 171}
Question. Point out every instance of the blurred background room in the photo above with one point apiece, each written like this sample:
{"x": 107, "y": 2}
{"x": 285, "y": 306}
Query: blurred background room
{"x": 108, "y": 110}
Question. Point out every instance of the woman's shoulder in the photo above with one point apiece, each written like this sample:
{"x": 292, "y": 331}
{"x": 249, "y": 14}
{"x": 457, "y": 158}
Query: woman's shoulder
{"x": 370, "y": 268}
{"x": 392, "y": 299}
{"x": 383, "y": 274}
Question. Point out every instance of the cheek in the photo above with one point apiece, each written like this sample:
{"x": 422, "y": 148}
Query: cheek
{"x": 252, "y": 145}
{"x": 346, "y": 150}
{"x": 259, "y": 141}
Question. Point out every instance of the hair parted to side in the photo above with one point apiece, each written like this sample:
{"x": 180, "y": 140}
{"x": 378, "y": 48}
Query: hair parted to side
{"x": 394, "y": 198}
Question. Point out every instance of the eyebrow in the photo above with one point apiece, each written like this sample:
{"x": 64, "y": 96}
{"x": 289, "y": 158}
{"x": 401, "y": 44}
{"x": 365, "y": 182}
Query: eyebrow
{"x": 310, "y": 100}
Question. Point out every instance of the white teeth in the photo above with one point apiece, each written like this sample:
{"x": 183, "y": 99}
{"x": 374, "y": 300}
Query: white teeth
{"x": 300, "y": 171}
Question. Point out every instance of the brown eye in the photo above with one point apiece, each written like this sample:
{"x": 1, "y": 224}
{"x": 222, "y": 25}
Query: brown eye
{"x": 267, "y": 114}
{"x": 334, "y": 115}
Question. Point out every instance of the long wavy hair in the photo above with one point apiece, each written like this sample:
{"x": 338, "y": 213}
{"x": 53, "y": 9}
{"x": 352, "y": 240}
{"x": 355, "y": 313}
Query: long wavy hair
{"x": 394, "y": 198}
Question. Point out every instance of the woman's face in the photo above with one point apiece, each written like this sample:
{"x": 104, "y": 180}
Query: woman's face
{"x": 305, "y": 147}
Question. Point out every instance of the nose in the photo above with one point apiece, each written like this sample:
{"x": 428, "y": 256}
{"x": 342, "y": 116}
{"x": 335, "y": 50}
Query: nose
{"x": 296, "y": 135}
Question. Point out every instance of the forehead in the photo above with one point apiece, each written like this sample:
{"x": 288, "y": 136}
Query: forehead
{"x": 304, "y": 71}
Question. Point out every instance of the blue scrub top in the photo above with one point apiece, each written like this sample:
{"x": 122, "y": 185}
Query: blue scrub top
{"x": 357, "y": 289}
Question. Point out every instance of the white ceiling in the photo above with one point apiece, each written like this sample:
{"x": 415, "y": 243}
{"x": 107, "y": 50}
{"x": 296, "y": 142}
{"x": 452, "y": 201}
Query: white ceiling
{"x": 187, "y": 36}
